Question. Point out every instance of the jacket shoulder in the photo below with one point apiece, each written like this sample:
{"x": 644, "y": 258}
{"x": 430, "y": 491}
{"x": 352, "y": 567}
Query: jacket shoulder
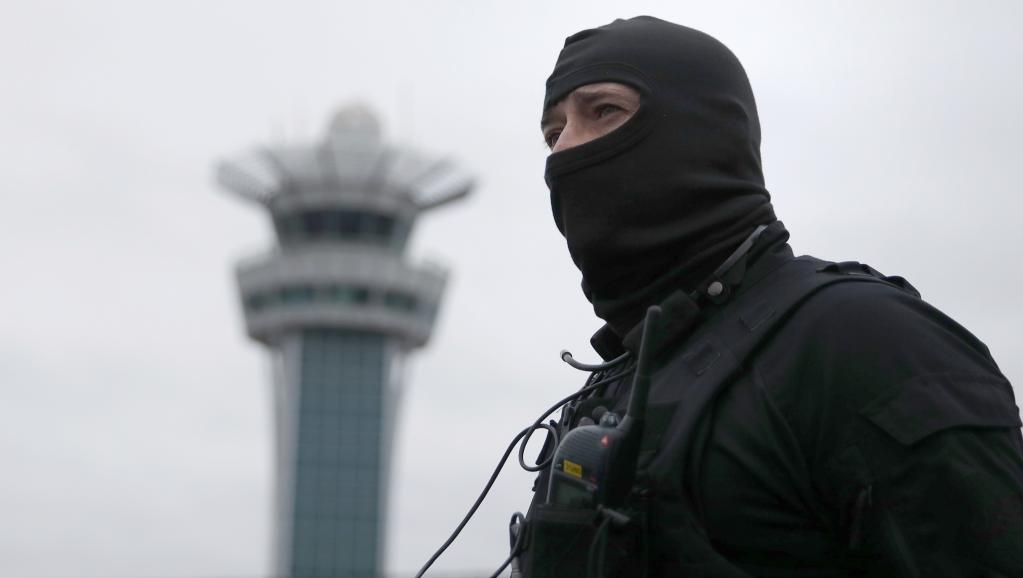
{"x": 865, "y": 323}
{"x": 870, "y": 350}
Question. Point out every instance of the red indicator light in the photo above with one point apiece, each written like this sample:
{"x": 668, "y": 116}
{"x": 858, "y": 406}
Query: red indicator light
{"x": 605, "y": 441}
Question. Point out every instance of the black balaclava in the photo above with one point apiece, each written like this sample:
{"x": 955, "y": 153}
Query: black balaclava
{"x": 658, "y": 203}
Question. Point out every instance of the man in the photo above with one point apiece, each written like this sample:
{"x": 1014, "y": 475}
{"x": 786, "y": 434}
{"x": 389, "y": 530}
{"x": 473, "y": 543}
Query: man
{"x": 862, "y": 432}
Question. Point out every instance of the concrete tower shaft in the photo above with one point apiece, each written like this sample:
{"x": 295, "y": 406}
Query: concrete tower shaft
{"x": 339, "y": 308}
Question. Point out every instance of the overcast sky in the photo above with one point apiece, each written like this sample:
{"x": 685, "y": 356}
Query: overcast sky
{"x": 135, "y": 432}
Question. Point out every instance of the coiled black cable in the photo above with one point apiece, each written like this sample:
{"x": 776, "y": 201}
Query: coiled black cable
{"x": 595, "y": 381}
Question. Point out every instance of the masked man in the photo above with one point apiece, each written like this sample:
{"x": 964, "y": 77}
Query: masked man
{"x": 805, "y": 418}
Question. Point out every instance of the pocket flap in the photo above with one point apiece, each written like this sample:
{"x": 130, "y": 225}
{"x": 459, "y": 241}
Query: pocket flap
{"x": 930, "y": 403}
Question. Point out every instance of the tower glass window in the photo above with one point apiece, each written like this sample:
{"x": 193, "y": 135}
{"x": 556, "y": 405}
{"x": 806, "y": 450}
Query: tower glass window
{"x": 339, "y": 225}
{"x": 342, "y": 421}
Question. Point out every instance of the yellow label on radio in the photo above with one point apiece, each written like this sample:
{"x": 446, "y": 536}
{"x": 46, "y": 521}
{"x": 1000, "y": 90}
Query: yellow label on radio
{"x": 573, "y": 469}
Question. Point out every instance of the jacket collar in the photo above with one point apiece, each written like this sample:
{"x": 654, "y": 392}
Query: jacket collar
{"x": 682, "y": 311}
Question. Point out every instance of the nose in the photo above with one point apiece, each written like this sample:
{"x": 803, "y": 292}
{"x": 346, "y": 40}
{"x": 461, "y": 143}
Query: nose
{"x": 571, "y": 136}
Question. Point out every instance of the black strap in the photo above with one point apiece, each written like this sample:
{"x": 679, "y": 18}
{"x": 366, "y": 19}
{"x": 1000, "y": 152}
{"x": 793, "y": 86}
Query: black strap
{"x": 717, "y": 350}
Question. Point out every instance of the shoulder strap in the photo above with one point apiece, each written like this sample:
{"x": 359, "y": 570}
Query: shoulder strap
{"x": 715, "y": 352}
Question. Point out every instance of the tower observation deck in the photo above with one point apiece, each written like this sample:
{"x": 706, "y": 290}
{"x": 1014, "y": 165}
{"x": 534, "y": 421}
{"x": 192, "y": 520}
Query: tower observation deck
{"x": 338, "y": 307}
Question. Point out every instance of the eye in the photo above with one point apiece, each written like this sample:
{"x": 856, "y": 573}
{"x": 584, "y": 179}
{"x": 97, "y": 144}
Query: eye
{"x": 606, "y": 109}
{"x": 551, "y": 138}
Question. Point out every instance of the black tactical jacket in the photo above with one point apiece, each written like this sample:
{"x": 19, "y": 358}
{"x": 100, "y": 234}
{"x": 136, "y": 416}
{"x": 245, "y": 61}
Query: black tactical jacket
{"x": 869, "y": 435}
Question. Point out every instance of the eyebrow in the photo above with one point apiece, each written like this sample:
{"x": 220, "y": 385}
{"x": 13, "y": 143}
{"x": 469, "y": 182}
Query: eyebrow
{"x": 545, "y": 119}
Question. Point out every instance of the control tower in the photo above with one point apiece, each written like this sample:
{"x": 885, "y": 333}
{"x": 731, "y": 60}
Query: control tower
{"x": 338, "y": 308}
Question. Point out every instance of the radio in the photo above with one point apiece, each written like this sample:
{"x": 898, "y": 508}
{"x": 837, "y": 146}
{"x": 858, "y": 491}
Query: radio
{"x": 594, "y": 466}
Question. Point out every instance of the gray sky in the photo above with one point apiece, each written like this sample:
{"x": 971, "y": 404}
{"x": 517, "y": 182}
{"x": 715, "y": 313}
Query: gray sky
{"x": 135, "y": 416}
